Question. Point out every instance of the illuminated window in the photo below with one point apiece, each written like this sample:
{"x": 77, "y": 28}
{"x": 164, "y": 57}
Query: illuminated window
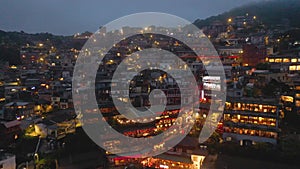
{"x": 288, "y": 108}
{"x": 226, "y": 117}
{"x": 298, "y": 103}
{"x": 292, "y": 68}
{"x": 294, "y": 60}
{"x": 298, "y": 95}
{"x": 271, "y": 60}
{"x": 286, "y": 60}
{"x": 228, "y": 105}
{"x": 278, "y": 60}
{"x": 287, "y": 99}
{"x": 298, "y": 67}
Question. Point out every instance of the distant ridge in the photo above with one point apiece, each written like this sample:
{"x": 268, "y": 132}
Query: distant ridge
{"x": 270, "y": 12}
{"x": 11, "y": 42}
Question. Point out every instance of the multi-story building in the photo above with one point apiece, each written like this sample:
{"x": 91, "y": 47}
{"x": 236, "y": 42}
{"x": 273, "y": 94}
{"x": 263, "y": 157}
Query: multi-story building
{"x": 253, "y": 55}
{"x": 186, "y": 154}
{"x": 251, "y": 120}
{"x": 31, "y": 55}
{"x": 286, "y": 63}
{"x": 58, "y": 125}
{"x": 296, "y": 99}
{"x": 2, "y": 89}
{"x": 230, "y": 50}
{"x": 9, "y": 131}
{"x": 17, "y": 110}
{"x": 265, "y": 76}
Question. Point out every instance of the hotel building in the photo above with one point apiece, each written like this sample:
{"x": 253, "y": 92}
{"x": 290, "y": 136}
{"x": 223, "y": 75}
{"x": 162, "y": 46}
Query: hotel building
{"x": 251, "y": 120}
{"x": 287, "y": 63}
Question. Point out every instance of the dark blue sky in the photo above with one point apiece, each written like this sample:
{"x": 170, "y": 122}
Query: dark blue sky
{"x": 70, "y": 16}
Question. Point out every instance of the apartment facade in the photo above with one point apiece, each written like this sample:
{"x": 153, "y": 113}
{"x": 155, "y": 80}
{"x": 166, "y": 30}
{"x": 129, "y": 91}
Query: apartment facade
{"x": 251, "y": 120}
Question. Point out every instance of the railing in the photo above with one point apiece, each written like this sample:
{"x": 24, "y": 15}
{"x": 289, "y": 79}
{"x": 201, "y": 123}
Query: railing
{"x": 251, "y": 126}
{"x": 254, "y": 113}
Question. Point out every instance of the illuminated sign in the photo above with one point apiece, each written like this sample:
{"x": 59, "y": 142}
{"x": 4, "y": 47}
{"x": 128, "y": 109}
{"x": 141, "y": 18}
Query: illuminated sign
{"x": 212, "y": 83}
{"x": 211, "y": 79}
{"x": 212, "y": 86}
{"x": 163, "y": 166}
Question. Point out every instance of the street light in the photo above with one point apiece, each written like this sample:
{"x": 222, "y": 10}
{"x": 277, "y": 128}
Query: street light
{"x": 36, "y": 157}
{"x": 229, "y": 20}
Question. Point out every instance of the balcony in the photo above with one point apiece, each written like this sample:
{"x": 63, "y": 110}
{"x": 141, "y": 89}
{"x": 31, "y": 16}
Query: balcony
{"x": 252, "y": 113}
{"x": 251, "y": 126}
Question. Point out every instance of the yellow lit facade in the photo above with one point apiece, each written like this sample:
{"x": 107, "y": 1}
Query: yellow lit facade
{"x": 282, "y": 59}
{"x": 297, "y": 98}
{"x": 251, "y": 121}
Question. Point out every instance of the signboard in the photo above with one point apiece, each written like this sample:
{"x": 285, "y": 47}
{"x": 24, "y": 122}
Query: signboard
{"x": 212, "y": 83}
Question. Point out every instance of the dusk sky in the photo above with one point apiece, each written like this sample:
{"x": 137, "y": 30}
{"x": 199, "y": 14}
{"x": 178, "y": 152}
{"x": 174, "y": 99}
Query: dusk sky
{"x": 66, "y": 17}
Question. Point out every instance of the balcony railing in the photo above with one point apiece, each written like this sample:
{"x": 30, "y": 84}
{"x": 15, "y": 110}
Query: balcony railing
{"x": 253, "y": 113}
{"x": 251, "y": 126}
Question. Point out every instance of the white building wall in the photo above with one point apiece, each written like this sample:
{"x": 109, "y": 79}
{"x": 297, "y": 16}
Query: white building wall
{"x": 9, "y": 162}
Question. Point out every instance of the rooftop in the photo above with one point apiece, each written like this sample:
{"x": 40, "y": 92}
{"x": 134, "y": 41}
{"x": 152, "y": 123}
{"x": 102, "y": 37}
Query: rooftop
{"x": 17, "y": 104}
{"x": 176, "y": 158}
{"x": 10, "y": 124}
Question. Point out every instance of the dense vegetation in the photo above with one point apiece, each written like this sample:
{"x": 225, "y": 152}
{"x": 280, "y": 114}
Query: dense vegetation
{"x": 11, "y": 42}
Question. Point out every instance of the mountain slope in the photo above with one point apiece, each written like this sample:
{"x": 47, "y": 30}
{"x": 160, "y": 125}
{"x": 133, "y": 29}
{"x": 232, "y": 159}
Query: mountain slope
{"x": 271, "y": 13}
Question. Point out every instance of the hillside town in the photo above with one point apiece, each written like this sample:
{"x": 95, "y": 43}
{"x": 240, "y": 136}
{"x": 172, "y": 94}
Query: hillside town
{"x": 39, "y": 127}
